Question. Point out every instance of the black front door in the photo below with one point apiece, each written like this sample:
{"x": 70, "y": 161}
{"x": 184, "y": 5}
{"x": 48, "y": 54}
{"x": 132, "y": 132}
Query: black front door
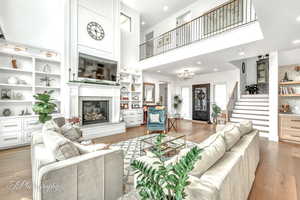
{"x": 201, "y": 102}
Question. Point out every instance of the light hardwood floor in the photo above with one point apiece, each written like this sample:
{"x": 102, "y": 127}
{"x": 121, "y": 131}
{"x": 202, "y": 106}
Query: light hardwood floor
{"x": 278, "y": 175}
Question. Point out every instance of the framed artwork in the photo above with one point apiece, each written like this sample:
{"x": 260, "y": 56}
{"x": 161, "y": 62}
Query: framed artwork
{"x": 223, "y": 17}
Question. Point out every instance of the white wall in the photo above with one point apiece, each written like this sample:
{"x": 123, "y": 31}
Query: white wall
{"x": 156, "y": 79}
{"x": 130, "y": 40}
{"x": 228, "y": 77}
{"x": 35, "y": 23}
{"x": 197, "y": 9}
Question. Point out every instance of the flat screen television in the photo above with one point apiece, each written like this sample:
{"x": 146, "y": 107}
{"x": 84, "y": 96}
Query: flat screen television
{"x": 96, "y": 69}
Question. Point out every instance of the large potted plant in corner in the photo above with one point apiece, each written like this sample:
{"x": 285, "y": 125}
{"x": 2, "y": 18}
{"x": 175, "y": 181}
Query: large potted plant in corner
{"x": 216, "y": 110}
{"x": 43, "y": 106}
{"x": 164, "y": 182}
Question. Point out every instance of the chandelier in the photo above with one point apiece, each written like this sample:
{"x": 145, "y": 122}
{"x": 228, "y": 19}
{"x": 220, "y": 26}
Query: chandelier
{"x": 186, "y": 74}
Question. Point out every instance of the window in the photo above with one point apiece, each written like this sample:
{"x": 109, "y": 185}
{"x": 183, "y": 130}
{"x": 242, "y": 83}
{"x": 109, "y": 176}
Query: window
{"x": 185, "y": 108}
{"x": 125, "y": 22}
{"x": 220, "y": 95}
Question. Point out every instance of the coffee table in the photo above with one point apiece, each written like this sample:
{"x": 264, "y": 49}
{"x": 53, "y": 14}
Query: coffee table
{"x": 171, "y": 145}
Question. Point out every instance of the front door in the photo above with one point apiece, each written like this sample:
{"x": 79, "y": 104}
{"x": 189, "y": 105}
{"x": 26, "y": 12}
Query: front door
{"x": 201, "y": 102}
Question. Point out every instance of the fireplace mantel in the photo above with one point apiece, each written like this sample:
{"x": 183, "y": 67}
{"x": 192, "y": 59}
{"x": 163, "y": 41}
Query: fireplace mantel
{"x": 78, "y": 91}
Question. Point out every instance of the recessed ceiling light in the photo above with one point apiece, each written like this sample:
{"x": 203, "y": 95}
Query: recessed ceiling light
{"x": 298, "y": 18}
{"x": 143, "y": 23}
{"x": 158, "y": 71}
{"x": 241, "y": 53}
{"x": 296, "y": 42}
{"x": 165, "y": 8}
{"x": 199, "y": 63}
{"x": 216, "y": 69}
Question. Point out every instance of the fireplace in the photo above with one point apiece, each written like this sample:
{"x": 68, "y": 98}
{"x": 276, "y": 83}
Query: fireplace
{"x": 95, "y": 111}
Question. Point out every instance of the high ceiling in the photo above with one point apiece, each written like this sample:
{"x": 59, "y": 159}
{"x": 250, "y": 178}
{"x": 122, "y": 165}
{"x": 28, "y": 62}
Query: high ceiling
{"x": 152, "y": 11}
{"x": 278, "y": 22}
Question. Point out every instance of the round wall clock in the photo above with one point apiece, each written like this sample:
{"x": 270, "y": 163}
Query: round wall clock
{"x": 95, "y": 30}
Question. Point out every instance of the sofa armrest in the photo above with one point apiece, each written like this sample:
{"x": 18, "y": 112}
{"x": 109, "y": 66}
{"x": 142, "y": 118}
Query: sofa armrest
{"x": 84, "y": 176}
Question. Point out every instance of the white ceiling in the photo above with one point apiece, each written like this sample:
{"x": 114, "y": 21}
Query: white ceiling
{"x": 278, "y": 22}
{"x": 152, "y": 11}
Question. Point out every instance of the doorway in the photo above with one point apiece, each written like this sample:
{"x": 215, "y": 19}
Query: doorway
{"x": 149, "y": 44}
{"x": 163, "y": 94}
{"x": 201, "y": 102}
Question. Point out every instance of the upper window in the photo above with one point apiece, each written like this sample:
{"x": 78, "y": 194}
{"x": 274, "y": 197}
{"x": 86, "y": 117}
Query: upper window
{"x": 125, "y": 22}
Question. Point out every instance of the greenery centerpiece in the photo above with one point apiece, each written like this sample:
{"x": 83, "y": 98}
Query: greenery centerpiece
{"x": 44, "y": 107}
{"x": 216, "y": 110}
{"x": 161, "y": 181}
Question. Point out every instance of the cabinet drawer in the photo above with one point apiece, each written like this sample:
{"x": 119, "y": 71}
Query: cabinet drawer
{"x": 10, "y": 125}
{"x": 9, "y": 139}
{"x": 32, "y": 123}
{"x": 290, "y": 122}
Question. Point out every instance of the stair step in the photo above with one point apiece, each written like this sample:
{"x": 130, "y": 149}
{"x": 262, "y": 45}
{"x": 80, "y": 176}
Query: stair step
{"x": 241, "y": 103}
{"x": 254, "y": 100}
{"x": 254, "y": 112}
{"x": 252, "y": 107}
{"x": 254, "y": 121}
{"x": 247, "y": 116}
{"x": 255, "y": 96}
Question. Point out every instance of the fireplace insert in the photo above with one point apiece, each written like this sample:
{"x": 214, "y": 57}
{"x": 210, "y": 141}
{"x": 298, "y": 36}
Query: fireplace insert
{"x": 94, "y": 112}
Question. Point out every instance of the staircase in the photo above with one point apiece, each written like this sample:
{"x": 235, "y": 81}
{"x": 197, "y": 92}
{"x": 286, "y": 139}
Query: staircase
{"x": 254, "y": 108}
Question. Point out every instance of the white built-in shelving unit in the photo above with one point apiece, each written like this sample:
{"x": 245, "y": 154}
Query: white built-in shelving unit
{"x": 16, "y": 128}
{"x": 131, "y": 97}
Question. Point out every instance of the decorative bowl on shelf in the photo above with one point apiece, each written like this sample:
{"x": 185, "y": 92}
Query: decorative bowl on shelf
{"x": 13, "y": 80}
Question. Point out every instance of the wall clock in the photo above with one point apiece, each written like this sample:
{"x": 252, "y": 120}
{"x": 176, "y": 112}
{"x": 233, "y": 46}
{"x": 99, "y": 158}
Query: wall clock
{"x": 95, "y": 30}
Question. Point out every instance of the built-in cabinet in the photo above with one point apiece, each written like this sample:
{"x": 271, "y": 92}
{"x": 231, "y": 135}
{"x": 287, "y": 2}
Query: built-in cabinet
{"x": 289, "y": 128}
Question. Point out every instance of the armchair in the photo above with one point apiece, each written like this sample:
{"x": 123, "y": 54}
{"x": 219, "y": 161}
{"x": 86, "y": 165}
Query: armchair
{"x": 157, "y": 119}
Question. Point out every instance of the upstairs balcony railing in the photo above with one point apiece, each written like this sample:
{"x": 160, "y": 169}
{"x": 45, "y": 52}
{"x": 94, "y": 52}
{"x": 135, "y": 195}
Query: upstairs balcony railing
{"x": 226, "y": 17}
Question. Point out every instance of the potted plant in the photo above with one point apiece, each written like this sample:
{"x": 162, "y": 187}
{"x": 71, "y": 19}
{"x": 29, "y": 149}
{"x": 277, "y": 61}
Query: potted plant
{"x": 44, "y": 107}
{"x": 177, "y": 103}
{"x": 216, "y": 110}
{"x": 164, "y": 182}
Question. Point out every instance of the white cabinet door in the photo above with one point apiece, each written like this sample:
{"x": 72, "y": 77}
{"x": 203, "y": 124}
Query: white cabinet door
{"x": 9, "y": 139}
{"x": 10, "y": 125}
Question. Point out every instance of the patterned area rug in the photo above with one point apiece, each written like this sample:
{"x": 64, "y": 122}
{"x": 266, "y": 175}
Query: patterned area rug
{"x": 132, "y": 150}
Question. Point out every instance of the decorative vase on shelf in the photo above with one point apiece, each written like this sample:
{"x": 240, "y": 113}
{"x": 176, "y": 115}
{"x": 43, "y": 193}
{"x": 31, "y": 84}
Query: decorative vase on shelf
{"x": 14, "y": 63}
{"x": 13, "y": 80}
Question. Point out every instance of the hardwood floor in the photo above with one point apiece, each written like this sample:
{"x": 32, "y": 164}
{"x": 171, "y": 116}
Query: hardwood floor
{"x": 278, "y": 175}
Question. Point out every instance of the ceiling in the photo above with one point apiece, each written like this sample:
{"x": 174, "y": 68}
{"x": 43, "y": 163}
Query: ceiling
{"x": 278, "y": 23}
{"x": 152, "y": 11}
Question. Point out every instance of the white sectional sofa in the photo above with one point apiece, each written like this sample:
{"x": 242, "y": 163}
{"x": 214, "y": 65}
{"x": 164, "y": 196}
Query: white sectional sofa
{"x": 225, "y": 174}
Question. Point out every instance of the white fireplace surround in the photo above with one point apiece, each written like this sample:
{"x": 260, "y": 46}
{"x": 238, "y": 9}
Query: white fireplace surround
{"x": 82, "y": 91}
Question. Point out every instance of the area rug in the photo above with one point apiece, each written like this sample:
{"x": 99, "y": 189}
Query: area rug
{"x": 132, "y": 150}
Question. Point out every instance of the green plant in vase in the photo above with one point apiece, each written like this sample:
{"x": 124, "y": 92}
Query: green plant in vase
{"x": 44, "y": 107}
{"x": 162, "y": 181}
{"x": 216, "y": 110}
{"x": 177, "y": 103}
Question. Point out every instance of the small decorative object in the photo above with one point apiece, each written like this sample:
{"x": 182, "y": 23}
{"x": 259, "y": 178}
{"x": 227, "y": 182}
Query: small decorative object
{"x": 5, "y": 94}
{"x": 6, "y": 112}
{"x": 172, "y": 178}
{"x": 22, "y": 82}
{"x": 216, "y": 110}
{"x": 132, "y": 88}
{"x": 73, "y": 76}
{"x": 243, "y": 67}
{"x": 18, "y": 96}
{"x": 252, "y": 89}
{"x": 297, "y": 68}
{"x": 14, "y": 63}
{"x": 136, "y": 98}
{"x": 47, "y": 80}
{"x": 2, "y": 36}
{"x": 46, "y": 68}
{"x": 286, "y": 77}
{"x": 44, "y": 107}
{"x": 177, "y": 103}
{"x": 95, "y": 30}
{"x": 74, "y": 120}
{"x": 285, "y": 108}
{"x": 70, "y": 71}
{"x": 124, "y": 90}
{"x": 13, "y": 80}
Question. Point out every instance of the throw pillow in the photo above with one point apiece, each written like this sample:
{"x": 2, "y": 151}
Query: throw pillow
{"x": 154, "y": 118}
{"x": 213, "y": 149}
{"x": 246, "y": 127}
{"x": 71, "y": 132}
{"x": 232, "y": 135}
{"x": 60, "y": 147}
{"x": 51, "y": 126}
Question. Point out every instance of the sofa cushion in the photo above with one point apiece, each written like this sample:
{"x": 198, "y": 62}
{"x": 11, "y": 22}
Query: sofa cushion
{"x": 154, "y": 118}
{"x": 52, "y": 126}
{"x": 245, "y": 127}
{"x": 231, "y": 134}
{"x": 60, "y": 147}
{"x": 71, "y": 132}
{"x": 213, "y": 149}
